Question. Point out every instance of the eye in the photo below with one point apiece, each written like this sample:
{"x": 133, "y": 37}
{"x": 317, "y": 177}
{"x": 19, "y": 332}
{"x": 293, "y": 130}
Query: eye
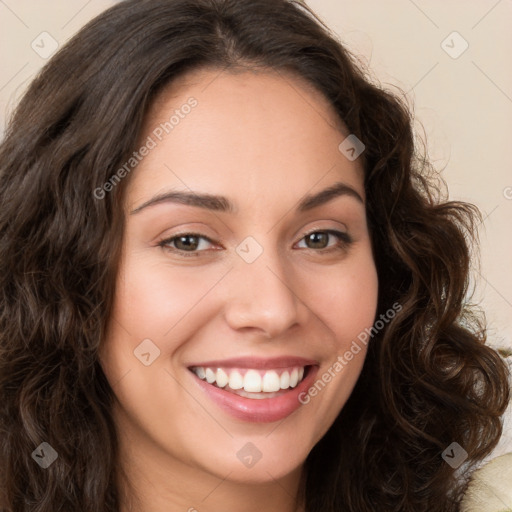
{"x": 320, "y": 239}
{"x": 191, "y": 243}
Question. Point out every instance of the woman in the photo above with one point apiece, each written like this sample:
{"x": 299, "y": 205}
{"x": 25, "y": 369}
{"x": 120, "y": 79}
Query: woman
{"x": 228, "y": 281}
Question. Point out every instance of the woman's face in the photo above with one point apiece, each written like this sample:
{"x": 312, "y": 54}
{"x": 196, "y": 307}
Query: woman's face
{"x": 228, "y": 309}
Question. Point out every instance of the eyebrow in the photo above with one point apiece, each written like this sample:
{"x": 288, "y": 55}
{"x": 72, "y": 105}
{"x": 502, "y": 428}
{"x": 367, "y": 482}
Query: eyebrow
{"x": 223, "y": 204}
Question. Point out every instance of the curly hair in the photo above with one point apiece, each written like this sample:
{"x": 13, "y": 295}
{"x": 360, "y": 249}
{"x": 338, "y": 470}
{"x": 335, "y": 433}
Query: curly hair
{"x": 428, "y": 379}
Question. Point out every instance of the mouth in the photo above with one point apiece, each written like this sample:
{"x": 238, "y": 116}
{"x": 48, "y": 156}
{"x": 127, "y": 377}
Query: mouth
{"x": 253, "y": 383}
{"x": 256, "y": 390}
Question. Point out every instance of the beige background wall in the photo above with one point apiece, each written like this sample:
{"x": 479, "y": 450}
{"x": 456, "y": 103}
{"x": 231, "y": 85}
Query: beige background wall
{"x": 462, "y": 96}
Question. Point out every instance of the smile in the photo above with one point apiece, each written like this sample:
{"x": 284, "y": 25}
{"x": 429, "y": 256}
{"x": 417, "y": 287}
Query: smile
{"x": 252, "y": 383}
{"x": 255, "y": 390}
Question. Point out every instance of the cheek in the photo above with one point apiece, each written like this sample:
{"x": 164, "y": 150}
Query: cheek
{"x": 344, "y": 298}
{"x": 153, "y": 298}
{"x": 345, "y": 301}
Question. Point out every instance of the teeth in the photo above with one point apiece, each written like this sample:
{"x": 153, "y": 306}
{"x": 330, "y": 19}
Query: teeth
{"x": 210, "y": 375}
{"x": 222, "y": 378}
{"x": 236, "y": 381}
{"x": 285, "y": 380}
{"x": 253, "y": 381}
{"x": 294, "y": 377}
{"x": 271, "y": 382}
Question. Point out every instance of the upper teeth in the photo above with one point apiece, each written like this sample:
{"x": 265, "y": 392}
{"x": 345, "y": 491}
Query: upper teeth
{"x": 252, "y": 381}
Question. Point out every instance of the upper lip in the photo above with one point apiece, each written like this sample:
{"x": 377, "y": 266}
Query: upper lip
{"x": 256, "y": 362}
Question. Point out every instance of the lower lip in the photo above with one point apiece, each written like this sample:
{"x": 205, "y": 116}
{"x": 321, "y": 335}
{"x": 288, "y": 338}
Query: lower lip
{"x": 264, "y": 410}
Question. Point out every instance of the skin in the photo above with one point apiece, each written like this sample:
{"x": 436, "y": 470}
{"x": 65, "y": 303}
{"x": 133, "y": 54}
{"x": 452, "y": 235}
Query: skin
{"x": 264, "y": 140}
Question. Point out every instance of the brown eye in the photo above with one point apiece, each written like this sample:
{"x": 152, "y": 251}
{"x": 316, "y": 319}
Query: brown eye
{"x": 317, "y": 240}
{"x": 321, "y": 240}
{"x": 186, "y": 242}
{"x": 190, "y": 243}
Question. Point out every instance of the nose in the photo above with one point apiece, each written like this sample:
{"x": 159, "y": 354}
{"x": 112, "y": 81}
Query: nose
{"x": 261, "y": 297}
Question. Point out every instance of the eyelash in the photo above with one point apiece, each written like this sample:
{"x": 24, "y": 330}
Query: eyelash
{"x": 345, "y": 240}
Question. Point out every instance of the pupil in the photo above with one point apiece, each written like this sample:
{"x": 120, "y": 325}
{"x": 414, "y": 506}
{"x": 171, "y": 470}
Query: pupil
{"x": 187, "y": 245}
{"x": 319, "y": 240}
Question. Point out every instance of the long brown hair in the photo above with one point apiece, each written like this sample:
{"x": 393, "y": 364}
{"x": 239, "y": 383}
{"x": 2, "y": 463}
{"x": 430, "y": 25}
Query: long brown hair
{"x": 428, "y": 379}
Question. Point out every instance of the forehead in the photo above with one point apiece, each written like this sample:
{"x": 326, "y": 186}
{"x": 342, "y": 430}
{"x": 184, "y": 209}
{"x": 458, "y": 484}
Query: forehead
{"x": 266, "y": 88}
{"x": 248, "y": 134}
